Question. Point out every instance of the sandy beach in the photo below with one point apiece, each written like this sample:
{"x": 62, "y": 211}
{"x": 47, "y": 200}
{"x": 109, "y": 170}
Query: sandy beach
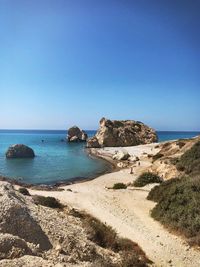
{"x": 127, "y": 210}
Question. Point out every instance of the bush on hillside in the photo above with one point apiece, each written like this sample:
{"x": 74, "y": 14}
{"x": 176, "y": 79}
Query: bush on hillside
{"x": 50, "y": 202}
{"x": 174, "y": 160}
{"x": 178, "y": 206}
{"x": 147, "y": 178}
{"x": 189, "y": 162}
{"x": 101, "y": 234}
{"x": 24, "y": 191}
{"x": 161, "y": 191}
{"x": 119, "y": 186}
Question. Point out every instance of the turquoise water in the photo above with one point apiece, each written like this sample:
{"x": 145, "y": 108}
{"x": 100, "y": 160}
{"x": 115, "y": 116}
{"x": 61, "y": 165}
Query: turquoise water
{"x": 172, "y": 135}
{"x": 56, "y": 161}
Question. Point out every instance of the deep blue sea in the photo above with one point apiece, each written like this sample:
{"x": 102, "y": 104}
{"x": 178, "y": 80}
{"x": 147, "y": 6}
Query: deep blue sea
{"x": 56, "y": 161}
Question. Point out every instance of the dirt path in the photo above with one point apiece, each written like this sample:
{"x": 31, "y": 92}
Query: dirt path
{"x": 128, "y": 212}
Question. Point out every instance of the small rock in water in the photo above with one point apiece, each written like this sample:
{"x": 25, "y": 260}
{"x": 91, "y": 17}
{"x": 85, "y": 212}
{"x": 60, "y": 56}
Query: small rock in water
{"x": 20, "y": 151}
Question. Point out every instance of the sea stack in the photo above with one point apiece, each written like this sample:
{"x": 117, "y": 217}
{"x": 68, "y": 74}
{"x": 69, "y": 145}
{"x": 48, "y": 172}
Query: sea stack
{"x": 122, "y": 133}
{"x": 20, "y": 151}
{"x": 75, "y": 134}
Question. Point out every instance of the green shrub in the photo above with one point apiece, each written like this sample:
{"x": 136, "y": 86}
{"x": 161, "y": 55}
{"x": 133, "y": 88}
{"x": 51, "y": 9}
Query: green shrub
{"x": 50, "y": 202}
{"x": 161, "y": 191}
{"x": 119, "y": 186}
{"x": 174, "y": 161}
{"x": 178, "y": 206}
{"x": 178, "y": 199}
{"x": 147, "y": 178}
{"x": 24, "y": 191}
{"x": 189, "y": 162}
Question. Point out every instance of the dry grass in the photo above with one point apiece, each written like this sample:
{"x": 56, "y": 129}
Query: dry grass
{"x": 106, "y": 237}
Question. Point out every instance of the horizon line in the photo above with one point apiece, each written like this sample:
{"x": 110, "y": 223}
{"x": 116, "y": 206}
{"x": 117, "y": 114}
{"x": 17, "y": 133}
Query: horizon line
{"x": 6, "y": 129}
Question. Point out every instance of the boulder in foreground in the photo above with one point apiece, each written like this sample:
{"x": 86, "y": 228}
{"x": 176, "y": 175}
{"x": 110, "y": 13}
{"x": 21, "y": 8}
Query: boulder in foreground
{"x": 75, "y": 134}
{"x": 20, "y": 151}
{"x": 122, "y": 133}
{"x": 16, "y": 220}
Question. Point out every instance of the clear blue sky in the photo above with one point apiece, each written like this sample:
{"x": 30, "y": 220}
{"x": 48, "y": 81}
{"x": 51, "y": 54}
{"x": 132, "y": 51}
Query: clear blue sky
{"x": 66, "y": 62}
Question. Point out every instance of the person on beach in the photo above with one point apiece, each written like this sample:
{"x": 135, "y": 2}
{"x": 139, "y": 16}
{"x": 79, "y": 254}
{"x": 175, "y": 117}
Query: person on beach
{"x": 131, "y": 172}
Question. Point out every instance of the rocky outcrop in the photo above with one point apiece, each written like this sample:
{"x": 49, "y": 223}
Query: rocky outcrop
{"x": 121, "y": 155}
{"x": 16, "y": 219}
{"x": 75, "y": 134}
{"x": 93, "y": 142}
{"x": 122, "y": 133}
{"x": 20, "y": 151}
{"x": 27, "y": 261}
{"x": 13, "y": 246}
{"x": 133, "y": 158}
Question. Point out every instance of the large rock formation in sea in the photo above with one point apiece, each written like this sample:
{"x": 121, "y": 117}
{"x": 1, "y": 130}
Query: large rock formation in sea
{"x": 20, "y": 151}
{"x": 122, "y": 133}
{"x": 75, "y": 134}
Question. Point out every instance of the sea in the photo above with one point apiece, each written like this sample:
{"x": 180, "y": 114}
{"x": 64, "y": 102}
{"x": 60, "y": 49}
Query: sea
{"x": 56, "y": 160}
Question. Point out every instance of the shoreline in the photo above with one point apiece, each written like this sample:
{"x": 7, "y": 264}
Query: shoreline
{"x": 56, "y": 186}
{"x": 93, "y": 153}
{"x": 104, "y": 154}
